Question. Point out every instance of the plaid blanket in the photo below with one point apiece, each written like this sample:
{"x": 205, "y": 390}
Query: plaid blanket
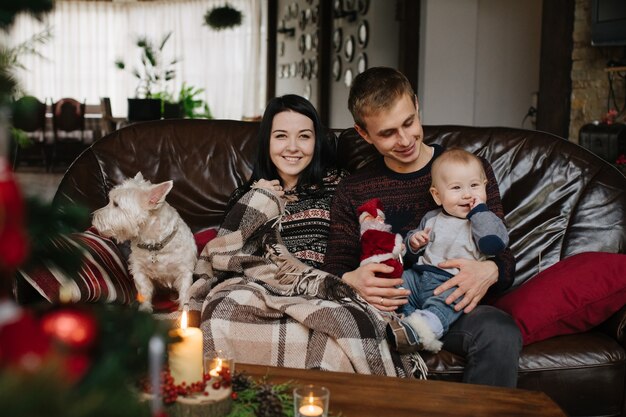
{"x": 263, "y": 306}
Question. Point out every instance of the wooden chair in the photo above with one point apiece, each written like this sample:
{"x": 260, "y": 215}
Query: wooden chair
{"x": 29, "y": 116}
{"x": 68, "y": 123}
{"x": 107, "y": 122}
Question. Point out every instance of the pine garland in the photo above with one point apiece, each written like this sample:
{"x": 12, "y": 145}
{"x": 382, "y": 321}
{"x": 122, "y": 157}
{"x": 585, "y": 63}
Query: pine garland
{"x": 261, "y": 398}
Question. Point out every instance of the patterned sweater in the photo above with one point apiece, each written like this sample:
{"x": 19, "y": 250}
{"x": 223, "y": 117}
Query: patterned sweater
{"x": 406, "y": 200}
{"x": 305, "y": 225}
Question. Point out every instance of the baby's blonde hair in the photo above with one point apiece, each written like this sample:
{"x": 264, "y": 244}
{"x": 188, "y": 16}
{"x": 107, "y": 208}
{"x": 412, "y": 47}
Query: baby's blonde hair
{"x": 455, "y": 155}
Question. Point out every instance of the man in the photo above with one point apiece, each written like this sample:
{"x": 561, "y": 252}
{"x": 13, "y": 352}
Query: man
{"x": 385, "y": 112}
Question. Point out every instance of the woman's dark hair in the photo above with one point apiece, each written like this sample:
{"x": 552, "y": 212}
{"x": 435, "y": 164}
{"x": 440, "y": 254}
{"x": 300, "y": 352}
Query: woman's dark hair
{"x": 323, "y": 155}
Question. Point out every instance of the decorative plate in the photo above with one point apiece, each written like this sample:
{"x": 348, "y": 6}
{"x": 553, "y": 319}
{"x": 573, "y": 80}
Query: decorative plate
{"x": 347, "y": 77}
{"x": 302, "y": 20}
{"x": 337, "y": 8}
{"x": 362, "y": 6}
{"x": 337, "y": 39}
{"x": 349, "y": 49}
{"x": 361, "y": 63}
{"x": 337, "y": 68}
{"x": 314, "y": 67}
{"x": 302, "y": 43}
{"x": 363, "y": 33}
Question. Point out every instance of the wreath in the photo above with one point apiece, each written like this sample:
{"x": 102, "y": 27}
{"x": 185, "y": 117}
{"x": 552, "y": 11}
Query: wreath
{"x": 223, "y": 17}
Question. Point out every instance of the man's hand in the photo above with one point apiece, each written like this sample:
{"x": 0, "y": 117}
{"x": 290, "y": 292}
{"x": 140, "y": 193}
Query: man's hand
{"x": 419, "y": 239}
{"x": 472, "y": 282}
{"x": 379, "y": 292}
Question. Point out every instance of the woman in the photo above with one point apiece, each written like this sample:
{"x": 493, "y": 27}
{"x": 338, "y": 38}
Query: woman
{"x": 263, "y": 299}
{"x": 295, "y": 159}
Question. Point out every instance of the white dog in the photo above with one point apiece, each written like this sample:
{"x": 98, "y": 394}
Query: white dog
{"x": 163, "y": 249}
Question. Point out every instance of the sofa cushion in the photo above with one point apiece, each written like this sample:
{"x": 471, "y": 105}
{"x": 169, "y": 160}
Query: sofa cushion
{"x": 103, "y": 275}
{"x": 573, "y": 295}
{"x": 203, "y": 237}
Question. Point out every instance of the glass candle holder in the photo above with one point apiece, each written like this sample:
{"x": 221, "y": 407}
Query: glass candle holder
{"x": 218, "y": 364}
{"x": 311, "y": 401}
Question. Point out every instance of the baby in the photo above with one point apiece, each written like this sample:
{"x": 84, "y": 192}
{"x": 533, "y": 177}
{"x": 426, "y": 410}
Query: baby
{"x": 462, "y": 228}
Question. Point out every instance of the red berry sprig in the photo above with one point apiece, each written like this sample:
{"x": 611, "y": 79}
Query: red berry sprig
{"x": 171, "y": 391}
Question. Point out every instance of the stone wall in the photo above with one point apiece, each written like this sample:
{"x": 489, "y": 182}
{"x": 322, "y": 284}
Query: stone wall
{"x": 590, "y": 86}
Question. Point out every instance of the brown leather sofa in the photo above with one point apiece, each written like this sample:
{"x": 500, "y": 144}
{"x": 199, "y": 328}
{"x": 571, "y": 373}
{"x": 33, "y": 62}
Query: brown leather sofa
{"x": 583, "y": 373}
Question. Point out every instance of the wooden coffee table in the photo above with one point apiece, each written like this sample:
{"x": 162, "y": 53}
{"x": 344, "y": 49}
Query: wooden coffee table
{"x": 355, "y": 395}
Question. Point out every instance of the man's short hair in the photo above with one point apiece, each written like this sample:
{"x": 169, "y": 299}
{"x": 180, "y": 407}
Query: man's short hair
{"x": 375, "y": 89}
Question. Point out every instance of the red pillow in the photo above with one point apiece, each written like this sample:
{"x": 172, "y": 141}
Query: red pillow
{"x": 203, "y": 237}
{"x": 573, "y": 295}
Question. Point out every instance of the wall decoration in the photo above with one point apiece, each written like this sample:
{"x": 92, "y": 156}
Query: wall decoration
{"x": 307, "y": 91}
{"x": 337, "y": 8}
{"x": 308, "y": 42}
{"x": 303, "y": 20}
{"x": 363, "y": 34}
{"x": 361, "y": 63}
{"x": 347, "y": 77}
{"x": 281, "y": 48}
{"x": 294, "y": 9}
{"x": 315, "y": 14}
{"x": 337, "y": 39}
{"x": 337, "y": 68}
{"x": 307, "y": 69}
{"x": 349, "y": 49}
{"x": 223, "y": 17}
{"x": 362, "y": 6}
{"x": 293, "y": 69}
{"x": 314, "y": 67}
{"x": 302, "y": 44}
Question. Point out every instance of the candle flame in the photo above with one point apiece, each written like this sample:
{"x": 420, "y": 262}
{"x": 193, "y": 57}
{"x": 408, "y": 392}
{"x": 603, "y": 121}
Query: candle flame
{"x": 218, "y": 368}
{"x": 183, "y": 320}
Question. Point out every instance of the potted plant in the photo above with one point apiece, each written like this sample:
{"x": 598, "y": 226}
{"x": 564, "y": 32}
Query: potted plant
{"x": 192, "y": 106}
{"x": 152, "y": 76}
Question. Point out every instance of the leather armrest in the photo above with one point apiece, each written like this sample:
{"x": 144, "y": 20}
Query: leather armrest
{"x": 615, "y": 326}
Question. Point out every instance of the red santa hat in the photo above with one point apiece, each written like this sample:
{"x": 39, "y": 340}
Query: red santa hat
{"x": 371, "y": 207}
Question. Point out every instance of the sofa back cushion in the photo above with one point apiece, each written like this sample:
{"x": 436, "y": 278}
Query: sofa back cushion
{"x": 206, "y": 159}
{"x": 559, "y": 198}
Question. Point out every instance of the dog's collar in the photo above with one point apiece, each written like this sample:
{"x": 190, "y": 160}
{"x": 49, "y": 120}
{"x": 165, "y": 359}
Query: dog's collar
{"x": 153, "y": 247}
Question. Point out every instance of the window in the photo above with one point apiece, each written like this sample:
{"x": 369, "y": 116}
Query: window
{"x": 87, "y": 38}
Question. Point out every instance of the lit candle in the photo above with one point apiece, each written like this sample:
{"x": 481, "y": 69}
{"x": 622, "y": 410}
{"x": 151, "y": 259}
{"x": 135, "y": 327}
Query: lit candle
{"x": 216, "y": 370}
{"x": 311, "y": 401}
{"x": 311, "y": 410}
{"x": 185, "y": 357}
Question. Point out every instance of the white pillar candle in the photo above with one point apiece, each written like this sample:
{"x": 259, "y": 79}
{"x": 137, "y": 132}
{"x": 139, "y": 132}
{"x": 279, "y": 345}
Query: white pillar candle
{"x": 185, "y": 356}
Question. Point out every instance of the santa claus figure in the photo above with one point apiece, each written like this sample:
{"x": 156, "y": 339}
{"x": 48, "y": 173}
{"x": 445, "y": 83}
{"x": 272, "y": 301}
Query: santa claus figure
{"x": 378, "y": 243}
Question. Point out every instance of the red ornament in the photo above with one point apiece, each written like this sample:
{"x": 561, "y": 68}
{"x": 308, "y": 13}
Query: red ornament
{"x": 13, "y": 240}
{"x": 76, "y": 329}
{"x": 22, "y": 342}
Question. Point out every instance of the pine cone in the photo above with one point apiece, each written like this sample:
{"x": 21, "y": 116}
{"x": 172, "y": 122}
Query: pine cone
{"x": 241, "y": 382}
{"x": 269, "y": 403}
